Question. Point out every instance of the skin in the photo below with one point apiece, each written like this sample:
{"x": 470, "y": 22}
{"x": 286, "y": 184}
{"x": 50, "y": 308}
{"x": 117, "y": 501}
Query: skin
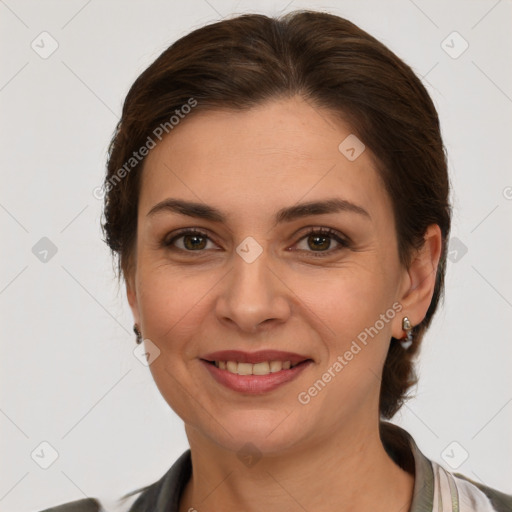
{"x": 326, "y": 455}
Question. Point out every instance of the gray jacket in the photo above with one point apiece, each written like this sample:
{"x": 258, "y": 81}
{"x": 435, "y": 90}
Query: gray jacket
{"x": 435, "y": 488}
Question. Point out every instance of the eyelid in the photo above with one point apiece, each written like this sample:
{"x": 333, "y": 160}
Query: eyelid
{"x": 340, "y": 238}
{"x": 167, "y": 243}
{"x": 343, "y": 241}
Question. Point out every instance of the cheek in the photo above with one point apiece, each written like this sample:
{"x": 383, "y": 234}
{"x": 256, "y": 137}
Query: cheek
{"x": 346, "y": 300}
{"x": 172, "y": 308}
{"x": 351, "y": 306}
{"x": 175, "y": 300}
{"x": 171, "y": 299}
{"x": 357, "y": 310}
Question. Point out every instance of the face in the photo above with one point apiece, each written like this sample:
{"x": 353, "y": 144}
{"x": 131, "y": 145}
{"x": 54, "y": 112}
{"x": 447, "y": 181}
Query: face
{"x": 250, "y": 272}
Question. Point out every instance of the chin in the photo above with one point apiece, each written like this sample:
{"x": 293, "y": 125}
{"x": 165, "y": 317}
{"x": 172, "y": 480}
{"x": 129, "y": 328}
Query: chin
{"x": 263, "y": 431}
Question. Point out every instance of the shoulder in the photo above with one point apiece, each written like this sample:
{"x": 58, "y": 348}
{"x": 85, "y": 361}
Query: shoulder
{"x": 435, "y": 487}
{"x": 133, "y": 501}
{"x": 500, "y": 501}
{"x": 163, "y": 493}
{"x": 124, "y": 504}
{"x": 467, "y": 494}
{"x": 84, "y": 505}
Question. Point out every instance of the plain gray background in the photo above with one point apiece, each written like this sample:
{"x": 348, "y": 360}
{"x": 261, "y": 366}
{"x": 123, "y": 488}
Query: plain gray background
{"x": 68, "y": 374}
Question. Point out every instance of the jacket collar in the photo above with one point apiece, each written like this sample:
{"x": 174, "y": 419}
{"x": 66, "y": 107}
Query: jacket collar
{"x": 165, "y": 494}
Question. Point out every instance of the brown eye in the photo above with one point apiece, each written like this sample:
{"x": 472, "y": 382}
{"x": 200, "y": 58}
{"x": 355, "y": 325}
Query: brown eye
{"x": 191, "y": 241}
{"x": 319, "y": 241}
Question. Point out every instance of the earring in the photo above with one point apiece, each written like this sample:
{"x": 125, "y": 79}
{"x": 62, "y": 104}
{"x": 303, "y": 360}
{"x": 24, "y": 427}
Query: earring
{"x": 138, "y": 340}
{"x": 407, "y": 327}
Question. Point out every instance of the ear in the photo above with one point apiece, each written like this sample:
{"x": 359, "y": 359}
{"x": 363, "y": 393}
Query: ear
{"x": 131, "y": 295}
{"x": 419, "y": 281}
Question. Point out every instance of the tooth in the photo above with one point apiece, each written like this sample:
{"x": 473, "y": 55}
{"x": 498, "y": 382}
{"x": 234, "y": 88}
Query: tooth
{"x": 261, "y": 368}
{"x": 244, "y": 369}
{"x": 276, "y": 366}
{"x": 232, "y": 366}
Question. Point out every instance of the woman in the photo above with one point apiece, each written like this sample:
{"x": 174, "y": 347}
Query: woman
{"x": 277, "y": 197}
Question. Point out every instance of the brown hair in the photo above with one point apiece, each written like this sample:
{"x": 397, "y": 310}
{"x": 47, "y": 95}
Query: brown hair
{"x": 240, "y": 62}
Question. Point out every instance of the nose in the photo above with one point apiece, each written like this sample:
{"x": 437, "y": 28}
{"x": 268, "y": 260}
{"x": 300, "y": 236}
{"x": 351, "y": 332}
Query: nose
{"x": 253, "y": 297}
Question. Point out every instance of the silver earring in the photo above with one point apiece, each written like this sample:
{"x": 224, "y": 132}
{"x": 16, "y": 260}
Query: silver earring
{"x": 407, "y": 327}
{"x": 136, "y": 330}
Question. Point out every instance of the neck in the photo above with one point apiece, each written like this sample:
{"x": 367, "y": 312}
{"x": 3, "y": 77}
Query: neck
{"x": 351, "y": 471}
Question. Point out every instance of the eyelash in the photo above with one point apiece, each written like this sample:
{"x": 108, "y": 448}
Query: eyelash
{"x": 324, "y": 232}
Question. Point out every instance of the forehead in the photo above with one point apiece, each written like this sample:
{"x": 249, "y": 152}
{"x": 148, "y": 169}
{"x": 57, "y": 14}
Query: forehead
{"x": 258, "y": 160}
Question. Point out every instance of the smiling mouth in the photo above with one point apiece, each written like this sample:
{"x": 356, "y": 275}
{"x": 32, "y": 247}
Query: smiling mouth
{"x": 262, "y": 368}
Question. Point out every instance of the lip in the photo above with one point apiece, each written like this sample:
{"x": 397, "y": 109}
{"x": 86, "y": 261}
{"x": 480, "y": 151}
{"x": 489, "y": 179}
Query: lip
{"x": 255, "y": 384}
{"x": 255, "y": 357}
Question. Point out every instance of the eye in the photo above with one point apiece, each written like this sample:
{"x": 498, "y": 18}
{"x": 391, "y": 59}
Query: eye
{"x": 317, "y": 239}
{"x": 192, "y": 240}
{"x": 320, "y": 240}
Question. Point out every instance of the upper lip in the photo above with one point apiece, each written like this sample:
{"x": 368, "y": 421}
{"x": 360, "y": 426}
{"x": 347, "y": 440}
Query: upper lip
{"x": 254, "y": 357}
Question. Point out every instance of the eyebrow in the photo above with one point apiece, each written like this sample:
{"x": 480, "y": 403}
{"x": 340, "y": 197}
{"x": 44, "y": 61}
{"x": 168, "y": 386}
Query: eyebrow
{"x": 287, "y": 214}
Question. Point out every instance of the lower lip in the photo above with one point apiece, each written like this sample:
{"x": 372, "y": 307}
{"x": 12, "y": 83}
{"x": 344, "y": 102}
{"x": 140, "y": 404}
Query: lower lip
{"x": 255, "y": 384}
